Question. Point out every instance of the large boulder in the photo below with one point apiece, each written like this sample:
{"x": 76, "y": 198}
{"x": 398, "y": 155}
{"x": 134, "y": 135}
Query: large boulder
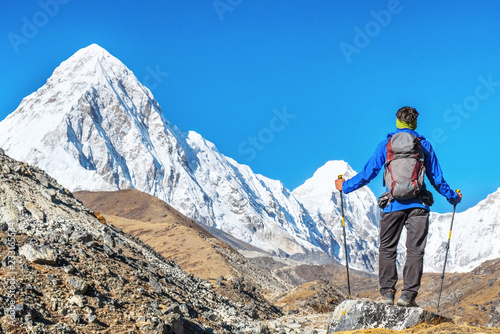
{"x": 40, "y": 255}
{"x": 358, "y": 314}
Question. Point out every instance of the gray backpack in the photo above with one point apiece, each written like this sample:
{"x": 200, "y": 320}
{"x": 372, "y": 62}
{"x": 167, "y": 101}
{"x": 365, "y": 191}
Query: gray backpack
{"x": 404, "y": 167}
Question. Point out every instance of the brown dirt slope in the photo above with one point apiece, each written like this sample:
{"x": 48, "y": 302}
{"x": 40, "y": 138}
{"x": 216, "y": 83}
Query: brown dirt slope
{"x": 162, "y": 227}
{"x": 177, "y": 237}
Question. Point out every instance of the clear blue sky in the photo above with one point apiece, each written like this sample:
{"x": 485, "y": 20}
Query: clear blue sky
{"x": 340, "y": 68}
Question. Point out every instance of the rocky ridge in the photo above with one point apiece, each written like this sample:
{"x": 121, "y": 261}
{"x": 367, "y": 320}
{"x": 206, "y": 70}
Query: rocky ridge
{"x": 63, "y": 270}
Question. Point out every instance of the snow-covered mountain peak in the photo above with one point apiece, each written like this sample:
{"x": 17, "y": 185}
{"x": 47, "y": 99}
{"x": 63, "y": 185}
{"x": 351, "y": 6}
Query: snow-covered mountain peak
{"x": 92, "y": 52}
{"x": 88, "y": 71}
{"x": 330, "y": 171}
{"x": 90, "y": 106}
{"x": 93, "y": 49}
{"x": 94, "y": 126}
{"x": 85, "y": 64}
{"x": 87, "y": 58}
{"x": 320, "y": 197}
{"x": 491, "y": 203}
{"x": 474, "y": 237}
{"x": 322, "y": 183}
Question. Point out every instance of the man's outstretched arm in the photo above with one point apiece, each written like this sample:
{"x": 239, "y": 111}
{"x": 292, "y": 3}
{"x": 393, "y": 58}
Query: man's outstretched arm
{"x": 369, "y": 172}
{"x": 435, "y": 175}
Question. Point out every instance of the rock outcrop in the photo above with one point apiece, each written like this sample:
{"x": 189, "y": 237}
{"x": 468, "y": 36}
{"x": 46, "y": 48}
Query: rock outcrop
{"x": 64, "y": 271}
{"x": 358, "y": 314}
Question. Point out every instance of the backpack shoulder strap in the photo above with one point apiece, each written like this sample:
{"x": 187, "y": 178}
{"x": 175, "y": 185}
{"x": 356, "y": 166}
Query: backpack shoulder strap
{"x": 390, "y": 152}
{"x": 389, "y": 158}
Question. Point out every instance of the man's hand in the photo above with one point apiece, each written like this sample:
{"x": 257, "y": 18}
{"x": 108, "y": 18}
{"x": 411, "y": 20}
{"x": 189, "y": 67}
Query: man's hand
{"x": 338, "y": 184}
{"x": 459, "y": 195}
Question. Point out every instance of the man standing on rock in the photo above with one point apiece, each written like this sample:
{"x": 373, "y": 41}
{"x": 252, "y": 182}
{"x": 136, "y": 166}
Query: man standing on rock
{"x": 406, "y": 156}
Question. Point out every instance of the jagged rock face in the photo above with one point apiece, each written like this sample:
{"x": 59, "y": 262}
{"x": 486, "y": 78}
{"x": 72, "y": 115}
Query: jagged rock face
{"x": 69, "y": 272}
{"x": 357, "y": 314}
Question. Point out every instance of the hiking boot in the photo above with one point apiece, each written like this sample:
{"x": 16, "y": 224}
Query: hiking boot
{"x": 388, "y": 298}
{"x": 406, "y": 301}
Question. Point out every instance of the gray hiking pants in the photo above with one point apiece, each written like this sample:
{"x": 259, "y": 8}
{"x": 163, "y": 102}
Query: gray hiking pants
{"x": 416, "y": 221}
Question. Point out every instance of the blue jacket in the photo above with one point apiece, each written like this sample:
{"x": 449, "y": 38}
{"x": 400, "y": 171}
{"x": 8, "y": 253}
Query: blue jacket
{"x": 432, "y": 170}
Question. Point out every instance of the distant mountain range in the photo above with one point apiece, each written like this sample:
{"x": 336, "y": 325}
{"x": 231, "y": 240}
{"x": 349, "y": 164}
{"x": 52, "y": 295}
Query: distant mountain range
{"x": 474, "y": 238}
{"x": 94, "y": 126}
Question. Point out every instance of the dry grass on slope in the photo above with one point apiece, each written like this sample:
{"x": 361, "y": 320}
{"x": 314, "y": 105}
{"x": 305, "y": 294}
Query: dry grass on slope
{"x": 162, "y": 227}
{"x": 186, "y": 246}
{"x": 446, "y": 328}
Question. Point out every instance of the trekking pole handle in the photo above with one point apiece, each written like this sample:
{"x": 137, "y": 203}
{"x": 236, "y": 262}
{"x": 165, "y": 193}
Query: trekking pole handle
{"x": 458, "y": 192}
{"x": 339, "y": 178}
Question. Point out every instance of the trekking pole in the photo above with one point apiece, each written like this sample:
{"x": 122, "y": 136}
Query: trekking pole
{"x": 446, "y": 256}
{"x": 345, "y": 243}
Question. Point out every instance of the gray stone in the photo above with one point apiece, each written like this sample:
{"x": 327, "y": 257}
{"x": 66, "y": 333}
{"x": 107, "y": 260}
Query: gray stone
{"x": 177, "y": 324}
{"x": 75, "y": 318}
{"x": 153, "y": 282}
{"x": 50, "y": 195}
{"x": 6, "y": 169}
{"x": 184, "y": 308}
{"x": 52, "y": 236}
{"x": 260, "y": 329}
{"x": 7, "y": 260}
{"x": 63, "y": 328}
{"x": 109, "y": 240}
{"x": 172, "y": 309}
{"x": 81, "y": 236}
{"x": 79, "y": 285}
{"x": 43, "y": 180}
{"x": 40, "y": 255}
{"x": 34, "y": 211}
{"x": 91, "y": 318}
{"x": 4, "y": 227}
{"x": 19, "y": 309}
{"x": 357, "y": 314}
{"x": 77, "y": 300}
{"x": 20, "y": 169}
{"x": 109, "y": 252}
{"x": 2, "y": 152}
{"x": 69, "y": 269}
{"x": 28, "y": 319}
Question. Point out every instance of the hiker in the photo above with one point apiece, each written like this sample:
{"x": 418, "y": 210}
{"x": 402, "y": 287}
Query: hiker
{"x": 406, "y": 156}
